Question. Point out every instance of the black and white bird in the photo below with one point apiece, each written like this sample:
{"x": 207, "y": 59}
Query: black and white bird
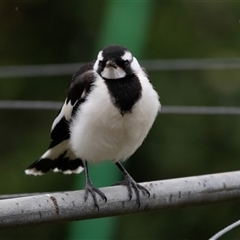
{"x": 110, "y": 108}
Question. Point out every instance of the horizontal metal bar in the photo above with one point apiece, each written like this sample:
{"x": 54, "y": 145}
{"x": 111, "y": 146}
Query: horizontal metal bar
{"x": 166, "y": 194}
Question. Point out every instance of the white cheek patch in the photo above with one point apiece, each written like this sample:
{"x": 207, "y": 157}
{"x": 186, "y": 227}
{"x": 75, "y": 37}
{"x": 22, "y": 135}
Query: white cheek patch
{"x": 113, "y": 73}
{"x": 127, "y": 56}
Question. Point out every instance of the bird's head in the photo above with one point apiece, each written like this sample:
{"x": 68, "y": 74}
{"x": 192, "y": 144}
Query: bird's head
{"x": 114, "y": 62}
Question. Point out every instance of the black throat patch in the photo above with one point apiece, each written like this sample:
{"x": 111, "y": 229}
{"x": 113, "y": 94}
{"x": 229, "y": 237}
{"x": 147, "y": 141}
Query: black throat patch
{"x": 124, "y": 92}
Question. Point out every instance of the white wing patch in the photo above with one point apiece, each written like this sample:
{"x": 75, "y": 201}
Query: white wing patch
{"x": 53, "y": 154}
{"x": 34, "y": 172}
{"x": 66, "y": 112}
{"x": 76, "y": 171}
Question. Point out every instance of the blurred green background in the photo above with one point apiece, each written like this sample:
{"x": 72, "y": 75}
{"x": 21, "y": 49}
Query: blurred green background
{"x": 49, "y": 32}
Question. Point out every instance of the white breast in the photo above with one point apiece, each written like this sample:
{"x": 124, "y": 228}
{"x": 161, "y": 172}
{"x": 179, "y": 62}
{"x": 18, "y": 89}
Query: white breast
{"x": 99, "y": 132}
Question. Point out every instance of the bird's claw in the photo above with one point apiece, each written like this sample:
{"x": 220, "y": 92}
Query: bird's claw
{"x": 89, "y": 188}
{"x": 131, "y": 185}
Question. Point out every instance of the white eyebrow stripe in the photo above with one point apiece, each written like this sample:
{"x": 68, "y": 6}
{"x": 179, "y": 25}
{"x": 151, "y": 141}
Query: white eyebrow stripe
{"x": 100, "y": 56}
{"x": 127, "y": 56}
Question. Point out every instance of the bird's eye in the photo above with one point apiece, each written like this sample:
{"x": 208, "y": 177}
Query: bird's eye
{"x": 101, "y": 63}
{"x": 126, "y": 63}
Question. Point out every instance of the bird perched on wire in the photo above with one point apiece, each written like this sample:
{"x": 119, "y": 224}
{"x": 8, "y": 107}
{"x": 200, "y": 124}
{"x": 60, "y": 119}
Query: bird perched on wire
{"x": 110, "y": 108}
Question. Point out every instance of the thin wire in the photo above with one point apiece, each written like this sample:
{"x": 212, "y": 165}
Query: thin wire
{"x": 39, "y": 70}
{"x": 201, "y": 110}
{"x": 50, "y": 105}
{"x": 192, "y": 64}
{"x": 225, "y": 230}
{"x": 30, "y": 105}
{"x": 150, "y": 65}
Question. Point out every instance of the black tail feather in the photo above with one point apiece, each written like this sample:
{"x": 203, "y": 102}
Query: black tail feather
{"x": 62, "y": 163}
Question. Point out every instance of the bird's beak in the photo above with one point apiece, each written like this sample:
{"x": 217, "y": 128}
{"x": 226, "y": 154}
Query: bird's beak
{"x": 111, "y": 64}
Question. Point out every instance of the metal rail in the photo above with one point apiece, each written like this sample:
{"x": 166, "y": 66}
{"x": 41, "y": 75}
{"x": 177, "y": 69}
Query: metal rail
{"x": 166, "y": 194}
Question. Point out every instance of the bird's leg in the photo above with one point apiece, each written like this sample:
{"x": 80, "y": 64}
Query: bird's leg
{"x": 89, "y": 188}
{"x": 130, "y": 183}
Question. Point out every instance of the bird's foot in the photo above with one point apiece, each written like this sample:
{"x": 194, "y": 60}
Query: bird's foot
{"x": 89, "y": 188}
{"x": 131, "y": 185}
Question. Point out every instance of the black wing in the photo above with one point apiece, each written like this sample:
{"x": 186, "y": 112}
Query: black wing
{"x": 79, "y": 88}
{"x": 59, "y": 157}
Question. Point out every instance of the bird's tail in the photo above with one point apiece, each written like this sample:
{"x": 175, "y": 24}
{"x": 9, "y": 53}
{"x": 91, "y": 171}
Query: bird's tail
{"x": 59, "y": 158}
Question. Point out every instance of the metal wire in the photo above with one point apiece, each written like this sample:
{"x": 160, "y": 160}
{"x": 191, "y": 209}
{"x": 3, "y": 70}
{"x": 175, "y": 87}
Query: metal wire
{"x": 192, "y": 64}
{"x": 49, "y": 105}
{"x": 30, "y": 105}
{"x": 200, "y": 110}
{"x": 39, "y": 70}
{"x": 225, "y": 230}
{"x": 150, "y": 65}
